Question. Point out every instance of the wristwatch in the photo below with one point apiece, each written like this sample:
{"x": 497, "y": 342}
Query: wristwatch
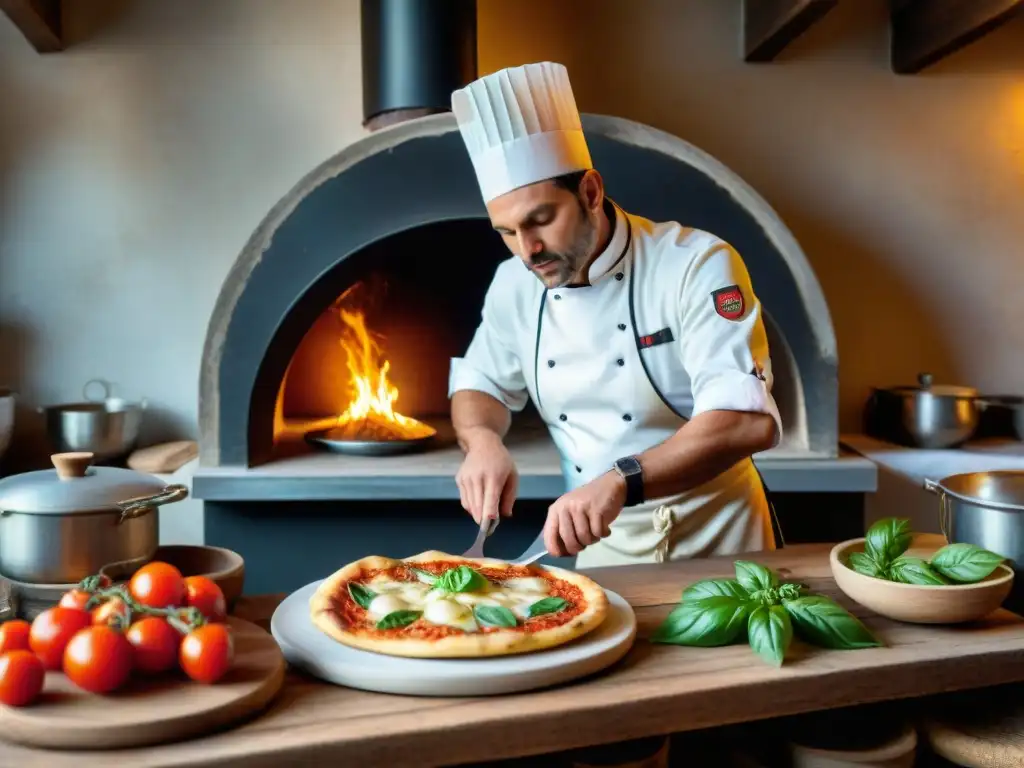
{"x": 633, "y": 474}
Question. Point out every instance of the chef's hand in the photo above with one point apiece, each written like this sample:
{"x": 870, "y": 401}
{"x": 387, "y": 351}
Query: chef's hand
{"x": 582, "y": 517}
{"x": 488, "y": 480}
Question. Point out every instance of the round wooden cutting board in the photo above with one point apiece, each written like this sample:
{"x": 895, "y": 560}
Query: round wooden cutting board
{"x": 151, "y": 711}
{"x": 306, "y": 647}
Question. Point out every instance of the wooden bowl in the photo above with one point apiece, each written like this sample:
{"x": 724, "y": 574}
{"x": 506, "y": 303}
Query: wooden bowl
{"x": 222, "y": 566}
{"x": 920, "y": 604}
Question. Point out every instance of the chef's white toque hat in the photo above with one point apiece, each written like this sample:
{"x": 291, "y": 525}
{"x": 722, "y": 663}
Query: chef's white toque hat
{"x": 521, "y": 126}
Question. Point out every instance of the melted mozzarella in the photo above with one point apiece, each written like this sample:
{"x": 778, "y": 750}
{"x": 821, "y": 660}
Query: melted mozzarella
{"x": 450, "y": 613}
{"x": 531, "y": 584}
{"x": 382, "y": 605}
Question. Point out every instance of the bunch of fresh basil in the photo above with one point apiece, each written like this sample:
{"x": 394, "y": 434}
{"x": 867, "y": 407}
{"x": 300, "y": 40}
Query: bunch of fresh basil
{"x": 757, "y": 604}
{"x": 884, "y": 557}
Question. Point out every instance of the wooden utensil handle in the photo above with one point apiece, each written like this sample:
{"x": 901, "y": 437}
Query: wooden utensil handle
{"x": 72, "y": 464}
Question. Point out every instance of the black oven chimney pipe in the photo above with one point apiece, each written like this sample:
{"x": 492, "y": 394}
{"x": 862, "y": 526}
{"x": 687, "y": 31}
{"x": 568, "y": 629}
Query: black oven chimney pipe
{"x": 415, "y": 53}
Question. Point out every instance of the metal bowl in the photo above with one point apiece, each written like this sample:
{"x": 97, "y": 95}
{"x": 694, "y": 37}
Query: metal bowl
{"x": 107, "y": 428}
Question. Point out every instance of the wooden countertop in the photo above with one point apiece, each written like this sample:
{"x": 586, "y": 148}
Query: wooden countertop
{"x": 654, "y": 690}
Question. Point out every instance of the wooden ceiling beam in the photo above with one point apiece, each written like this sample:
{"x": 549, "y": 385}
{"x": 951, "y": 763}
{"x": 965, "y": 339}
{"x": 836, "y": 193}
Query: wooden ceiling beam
{"x": 771, "y": 25}
{"x": 926, "y": 31}
{"x": 38, "y": 20}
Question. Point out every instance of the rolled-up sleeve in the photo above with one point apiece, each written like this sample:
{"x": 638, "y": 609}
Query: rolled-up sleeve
{"x": 724, "y": 345}
{"x": 492, "y": 364}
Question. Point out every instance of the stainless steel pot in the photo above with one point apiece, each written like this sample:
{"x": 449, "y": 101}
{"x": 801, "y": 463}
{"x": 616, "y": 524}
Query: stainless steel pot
{"x": 6, "y": 419}
{"x": 59, "y": 526}
{"x": 105, "y": 426}
{"x": 985, "y": 509}
{"x": 925, "y": 416}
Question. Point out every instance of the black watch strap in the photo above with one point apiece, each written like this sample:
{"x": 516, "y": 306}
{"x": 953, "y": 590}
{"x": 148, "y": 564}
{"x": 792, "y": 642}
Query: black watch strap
{"x": 631, "y": 471}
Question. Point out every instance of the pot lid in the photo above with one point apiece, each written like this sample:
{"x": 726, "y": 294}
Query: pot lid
{"x": 74, "y": 486}
{"x": 924, "y": 381}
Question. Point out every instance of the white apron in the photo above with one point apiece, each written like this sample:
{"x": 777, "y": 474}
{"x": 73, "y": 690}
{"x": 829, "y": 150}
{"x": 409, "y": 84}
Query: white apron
{"x": 599, "y": 403}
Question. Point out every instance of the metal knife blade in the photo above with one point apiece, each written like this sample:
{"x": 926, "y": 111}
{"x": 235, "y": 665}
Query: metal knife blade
{"x": 533, "y": 553}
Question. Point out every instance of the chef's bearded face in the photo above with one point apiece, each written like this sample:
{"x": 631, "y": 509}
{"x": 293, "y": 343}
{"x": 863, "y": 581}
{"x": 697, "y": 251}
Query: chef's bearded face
{"x": 553, "y": 225}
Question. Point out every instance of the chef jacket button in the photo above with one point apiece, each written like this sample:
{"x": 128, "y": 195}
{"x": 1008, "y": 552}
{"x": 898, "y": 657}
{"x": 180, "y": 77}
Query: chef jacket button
{"x": 626, "y": 417}
{"x": 579, "y": 469}
{"x": 618, "y": 275}
{"x": 620, "y": 362}
{"x": 557, "y": 296}
{"x": 562, "y": 417}
{"x": 551, "y": 363}
{"x": 622, "y": 326}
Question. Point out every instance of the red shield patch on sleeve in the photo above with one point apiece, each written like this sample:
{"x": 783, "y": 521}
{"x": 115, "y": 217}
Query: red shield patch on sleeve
{"x": 729, "y": 302}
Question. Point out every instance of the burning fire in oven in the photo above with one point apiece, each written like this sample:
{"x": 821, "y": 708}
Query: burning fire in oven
{"x": 370, "y": 415}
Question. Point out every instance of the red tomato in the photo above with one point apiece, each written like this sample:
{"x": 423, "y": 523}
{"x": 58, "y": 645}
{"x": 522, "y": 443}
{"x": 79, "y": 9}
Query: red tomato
{"x": 14, "y": 636}
{"x": 75, "y": 598}
{"x": 51, "y": 630}
{"x": 112, "y": 613}
{"x": 207, "y": 653}
{"x": 154, "y": 644}
{"x": 98, "y": 659}
{"x": 203, "y": 593}
{"x": 158, "y": 585}
{"x": 21, "y": 678}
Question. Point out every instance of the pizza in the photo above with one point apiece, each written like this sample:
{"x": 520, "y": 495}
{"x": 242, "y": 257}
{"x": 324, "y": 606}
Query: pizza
{"x": 435, "y": 605}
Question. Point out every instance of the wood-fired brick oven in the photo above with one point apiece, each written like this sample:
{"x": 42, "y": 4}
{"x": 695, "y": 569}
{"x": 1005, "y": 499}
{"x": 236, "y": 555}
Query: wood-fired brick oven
{"x": 401, "y": 208}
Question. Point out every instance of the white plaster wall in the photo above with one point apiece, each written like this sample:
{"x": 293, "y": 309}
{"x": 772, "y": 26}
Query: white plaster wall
{"x": 134, "y": 166}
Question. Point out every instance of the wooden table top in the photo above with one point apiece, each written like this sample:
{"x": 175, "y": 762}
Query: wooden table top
{"x": 655, "y": 690}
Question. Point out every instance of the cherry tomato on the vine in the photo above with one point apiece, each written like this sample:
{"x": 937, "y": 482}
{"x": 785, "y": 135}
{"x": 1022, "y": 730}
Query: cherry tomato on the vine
{"x": 98, "y": 659}
{"x": 202, "y": 593}
{"x": 21, "y": 677}
{"x": 52, "y": 629}
{"x": 158, "y": 585}
{"x": 14, "y": 635}
{"x": 154, "y": 644}
{"x": 75, "y": 598}
{"x": 207, "y": 653}
{"x": 113, "y": 613}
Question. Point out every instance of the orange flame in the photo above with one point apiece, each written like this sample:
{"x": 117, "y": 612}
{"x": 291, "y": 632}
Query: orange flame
{"x": 371, "y": 414}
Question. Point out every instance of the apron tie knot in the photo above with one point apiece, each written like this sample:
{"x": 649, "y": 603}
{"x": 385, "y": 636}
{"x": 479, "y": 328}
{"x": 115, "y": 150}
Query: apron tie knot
{"x": 664, "y": 520}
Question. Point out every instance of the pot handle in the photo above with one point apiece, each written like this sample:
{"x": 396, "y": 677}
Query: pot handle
{"x": 944, "y": 511}
{"x": 135, "y": 507}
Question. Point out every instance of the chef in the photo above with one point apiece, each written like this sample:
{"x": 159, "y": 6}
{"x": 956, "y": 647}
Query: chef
{"x": 640, "y": 343}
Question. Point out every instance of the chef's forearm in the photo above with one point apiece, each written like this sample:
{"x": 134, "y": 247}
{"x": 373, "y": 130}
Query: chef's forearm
{"x": 703, "y": 448}
{"x": 478, "y": 417}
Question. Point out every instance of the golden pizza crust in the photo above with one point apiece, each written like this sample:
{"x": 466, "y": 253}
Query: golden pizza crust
{"x": 500, "y": 642}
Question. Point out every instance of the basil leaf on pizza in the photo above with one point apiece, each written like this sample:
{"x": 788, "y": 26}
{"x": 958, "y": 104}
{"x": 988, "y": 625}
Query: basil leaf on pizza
{"x": 494, "y": 616}
{"x": 461, "y": 579}
{"x": 424, "y": 576}
{"x": 361, "y": 595}
{"x": 397, "y": 619}
{"x": 547, "y": 605}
